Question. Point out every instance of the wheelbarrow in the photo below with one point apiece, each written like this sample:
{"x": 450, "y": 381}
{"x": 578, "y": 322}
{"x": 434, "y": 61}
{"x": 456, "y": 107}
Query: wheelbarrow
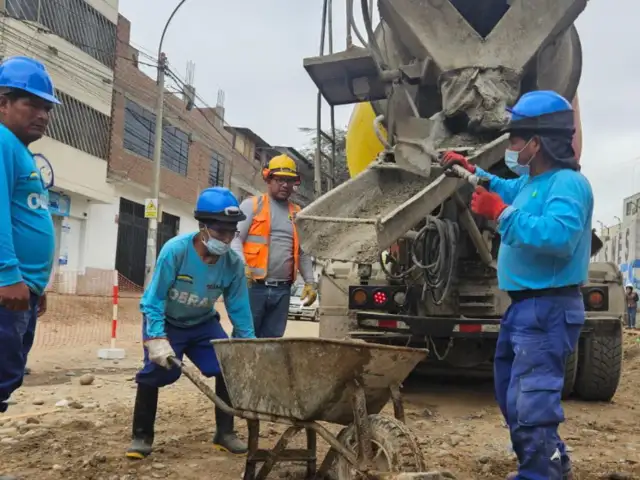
{"x": 300, "y": 382}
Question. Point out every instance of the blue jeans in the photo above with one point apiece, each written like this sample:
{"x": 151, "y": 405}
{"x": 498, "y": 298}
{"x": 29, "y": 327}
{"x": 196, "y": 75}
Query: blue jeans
{"x": 631, "y": 317}
{"x": 270, "y": 309}
{"x": 537, "y": 335}
{"x": 195, "y": 343}
{"x": 17, "y": 331}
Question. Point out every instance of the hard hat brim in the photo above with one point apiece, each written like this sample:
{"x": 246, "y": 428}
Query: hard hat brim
{"x": 284, "y": 174}
{"x": 206, "y": 217}
{"x": 43, "y": 95}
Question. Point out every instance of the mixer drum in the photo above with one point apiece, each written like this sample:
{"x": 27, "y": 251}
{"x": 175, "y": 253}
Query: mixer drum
{"x": 556, "y": 66}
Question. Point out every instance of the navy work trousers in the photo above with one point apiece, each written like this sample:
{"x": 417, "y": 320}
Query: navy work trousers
{"x": 270, "y": 309}
{"x": 194, "y": 342}
{"x": 537, "y": 335}
{"x": 17, "y": 331}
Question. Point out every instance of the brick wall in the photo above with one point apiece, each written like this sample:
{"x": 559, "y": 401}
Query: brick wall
{"x": 131, "y": 83}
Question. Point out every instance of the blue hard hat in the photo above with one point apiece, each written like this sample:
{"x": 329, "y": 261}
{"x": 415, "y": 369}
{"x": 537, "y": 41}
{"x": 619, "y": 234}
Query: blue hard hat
{"x": 218, "y": 204}
{"x": 537, "y": 103}
{"x": 27, "y": 74}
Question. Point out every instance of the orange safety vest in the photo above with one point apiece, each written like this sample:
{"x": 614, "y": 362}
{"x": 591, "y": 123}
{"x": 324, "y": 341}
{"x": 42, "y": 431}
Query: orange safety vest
{"x": 256, "y": 246}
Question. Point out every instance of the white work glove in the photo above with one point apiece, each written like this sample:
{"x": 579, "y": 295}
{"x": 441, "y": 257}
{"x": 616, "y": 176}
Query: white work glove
{"x": 159, "y": 351}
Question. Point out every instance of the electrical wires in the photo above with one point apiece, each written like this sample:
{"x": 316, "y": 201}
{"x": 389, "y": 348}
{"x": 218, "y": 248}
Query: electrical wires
{"x": 434, "y": 252}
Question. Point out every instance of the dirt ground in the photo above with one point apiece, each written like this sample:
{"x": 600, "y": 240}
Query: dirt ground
{"x": 458, "y": 424}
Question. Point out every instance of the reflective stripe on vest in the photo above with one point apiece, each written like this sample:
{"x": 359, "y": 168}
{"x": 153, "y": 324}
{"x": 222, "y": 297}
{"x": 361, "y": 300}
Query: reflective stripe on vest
{"x": 256, "y": 246}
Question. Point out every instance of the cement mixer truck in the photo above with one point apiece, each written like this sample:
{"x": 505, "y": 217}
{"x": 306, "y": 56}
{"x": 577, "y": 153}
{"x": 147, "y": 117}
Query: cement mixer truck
{"x": 406, "y": 262}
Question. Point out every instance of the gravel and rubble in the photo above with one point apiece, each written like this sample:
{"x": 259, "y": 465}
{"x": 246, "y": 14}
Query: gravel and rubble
{"x": 64, "y": 426}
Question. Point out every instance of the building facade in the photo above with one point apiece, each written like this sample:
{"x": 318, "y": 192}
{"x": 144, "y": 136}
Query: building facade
{"x": 622, "y": 242}
{"x": 77, "y": 43}
{"x": 196, "y": 153}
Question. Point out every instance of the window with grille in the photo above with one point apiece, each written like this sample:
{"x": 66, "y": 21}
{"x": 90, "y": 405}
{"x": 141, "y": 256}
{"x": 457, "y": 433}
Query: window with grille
{"x": 216, "y": 170}
{"x": 139, "y": 138}
{"x": 80, "y": 126}
{"x": 74, "y": 20}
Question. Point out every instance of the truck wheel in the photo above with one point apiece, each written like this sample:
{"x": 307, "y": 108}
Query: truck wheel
{"x": 395, "y": 448}
{"x": 570, "y": 374}
{"x": 599, "y": 366}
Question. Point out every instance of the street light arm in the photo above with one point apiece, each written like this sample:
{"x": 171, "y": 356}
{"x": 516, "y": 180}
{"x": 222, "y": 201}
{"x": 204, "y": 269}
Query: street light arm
{"x": 166, "y": 26}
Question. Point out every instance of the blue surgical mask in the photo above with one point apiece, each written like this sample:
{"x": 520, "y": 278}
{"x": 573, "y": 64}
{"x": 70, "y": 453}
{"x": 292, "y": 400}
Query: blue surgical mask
{"x": 216, "y": 247}
{"x": 511, "y": 161}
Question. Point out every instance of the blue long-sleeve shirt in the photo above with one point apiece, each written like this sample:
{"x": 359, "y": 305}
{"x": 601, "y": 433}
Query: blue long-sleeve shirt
{"x": 184, "y": 289}
{"x": 27, "y": 240}
{"x": 545, "y": 230}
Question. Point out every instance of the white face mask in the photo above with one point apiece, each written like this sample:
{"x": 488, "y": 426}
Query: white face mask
{"x": 215, "y": 246}
{"x": 511, "y": 160}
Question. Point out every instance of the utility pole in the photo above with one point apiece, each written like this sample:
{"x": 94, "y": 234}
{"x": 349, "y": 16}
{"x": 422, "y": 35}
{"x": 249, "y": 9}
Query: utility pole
{"x": 152, "y": 233}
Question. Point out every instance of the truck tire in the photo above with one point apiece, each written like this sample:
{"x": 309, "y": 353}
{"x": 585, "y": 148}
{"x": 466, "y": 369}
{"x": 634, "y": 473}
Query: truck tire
{"x": 570, "y": 374}
{"x": 395, "y": 448}
{"x": 599, "y": 366}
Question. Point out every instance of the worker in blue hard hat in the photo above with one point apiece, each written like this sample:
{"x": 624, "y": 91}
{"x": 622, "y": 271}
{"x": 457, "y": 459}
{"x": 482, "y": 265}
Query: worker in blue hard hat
{"x": 544, "y": 221}
{"x": 26, "y": 229}
{"x": 179, "y": 316}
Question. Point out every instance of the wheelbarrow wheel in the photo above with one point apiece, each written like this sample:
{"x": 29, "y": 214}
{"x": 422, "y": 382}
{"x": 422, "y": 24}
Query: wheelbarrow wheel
{"x": 395, "y": 448}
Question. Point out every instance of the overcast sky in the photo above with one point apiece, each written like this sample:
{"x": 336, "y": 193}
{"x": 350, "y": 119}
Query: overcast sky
{"x": 253, "y": 51}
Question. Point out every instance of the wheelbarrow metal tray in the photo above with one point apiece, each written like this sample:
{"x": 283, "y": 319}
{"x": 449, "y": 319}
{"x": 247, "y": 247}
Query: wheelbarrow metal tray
{"x": 310, "y": 378}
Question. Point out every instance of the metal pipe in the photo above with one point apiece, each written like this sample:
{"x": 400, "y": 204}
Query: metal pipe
{"x": 317, "y": 164}
{"x": 469, "y": 224}
{"x": 152, "y": 232}
{"x": 332, "y": 166}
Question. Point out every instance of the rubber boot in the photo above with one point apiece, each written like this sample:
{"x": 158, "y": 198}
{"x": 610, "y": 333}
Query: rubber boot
{"x": 144, "y": 419}
{"x": 225, "y": 438}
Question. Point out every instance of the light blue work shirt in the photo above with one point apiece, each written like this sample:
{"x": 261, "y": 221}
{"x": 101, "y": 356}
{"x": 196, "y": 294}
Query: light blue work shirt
{"x": 545, "y": 230}
{"x": 184, "y": 289}
{"x": 27, "y": 239}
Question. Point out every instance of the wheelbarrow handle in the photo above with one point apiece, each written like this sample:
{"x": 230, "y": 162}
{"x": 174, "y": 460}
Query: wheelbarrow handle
{"x": 194, "y": 376}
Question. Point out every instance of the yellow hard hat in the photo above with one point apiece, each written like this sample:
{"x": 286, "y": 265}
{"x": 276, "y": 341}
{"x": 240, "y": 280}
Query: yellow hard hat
{"x": 281, "y": 166}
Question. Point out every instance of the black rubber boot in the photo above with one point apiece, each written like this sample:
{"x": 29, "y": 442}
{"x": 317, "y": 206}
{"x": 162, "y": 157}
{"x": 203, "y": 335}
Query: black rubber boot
{"x": 144, "y": 419}
{"x": 225, "y": 439}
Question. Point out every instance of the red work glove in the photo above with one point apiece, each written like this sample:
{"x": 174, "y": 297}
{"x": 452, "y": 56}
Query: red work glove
{"x": 449, "y": 159}
{"x": 487, "y": 204}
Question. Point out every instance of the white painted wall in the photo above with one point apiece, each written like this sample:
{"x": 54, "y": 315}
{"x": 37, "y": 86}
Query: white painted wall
{"x": 75, "y": 170}
{"x": 101, "y": 236}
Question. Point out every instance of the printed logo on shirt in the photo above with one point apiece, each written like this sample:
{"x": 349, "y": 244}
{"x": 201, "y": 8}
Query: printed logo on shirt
{"x": 534, "y": 194}
{"x": 34, "y": 176}
{"x": 213, "y": 286}
{"x": 38, "y": 201}
{"x": 184, "y": 278}
{"x": 188, "y": 298}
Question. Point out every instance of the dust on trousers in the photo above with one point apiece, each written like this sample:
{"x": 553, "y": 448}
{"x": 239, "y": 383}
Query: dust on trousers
{"x": 17, "y": 331}
{"x": 537, "y": 335}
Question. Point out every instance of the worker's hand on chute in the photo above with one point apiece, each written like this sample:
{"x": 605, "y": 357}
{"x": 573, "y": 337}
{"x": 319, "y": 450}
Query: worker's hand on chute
{"x": 160, "y": 351}
{"x": 310, "y": 293}
{"x": 487, "y": 204}
{"x": 449, "y": 159}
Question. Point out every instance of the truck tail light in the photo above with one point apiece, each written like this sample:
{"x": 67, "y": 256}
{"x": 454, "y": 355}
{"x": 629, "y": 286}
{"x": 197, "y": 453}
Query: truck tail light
{"x": 380, "y": 297}
{"x": 359, "y": 297}
{"x": 595, "y": 299}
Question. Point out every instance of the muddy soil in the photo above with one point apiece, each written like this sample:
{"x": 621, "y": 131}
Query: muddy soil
{"x": 458, "y": 425}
